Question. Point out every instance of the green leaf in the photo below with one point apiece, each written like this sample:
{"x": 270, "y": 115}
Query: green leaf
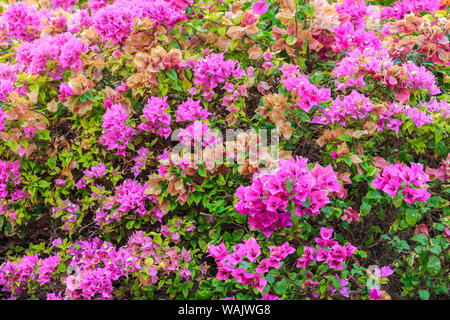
{"x": 202, "y": 171}
{"x": 373, "y": 194}
{"x": 291, "y": 40}
{"x": 89, "y": 96}
{"x": 281, "y": 286}
{"x": 309, "y": 10}
{"x": 424, "y": 294}
{"x": 51, "y": 162}
{"x": 412, "y": 216}
{"x": 365, "y": 208}
{"x": 220, "y": 180}
{"x": 270, "y": 278}
{"x": 307, "y": 202}
{"x": 237, "y": 234}
{"x": 172, "y": 74}
{"x": 436, "y": 249}
{"x": 398, "y": 200}
{"x": 362, "y": 254}
{"x": 434, "y": 265}
{"x": 164, "y": 38}
{"x": 348, "y": 160}
{"x": 186, "y": 84}
{"x": 43, "y": 184}
{"x": 420, "y": 238}
{"x": 345, "y": 137}
{"x": 234, "y": 44}
{"x": 289, "y": 185}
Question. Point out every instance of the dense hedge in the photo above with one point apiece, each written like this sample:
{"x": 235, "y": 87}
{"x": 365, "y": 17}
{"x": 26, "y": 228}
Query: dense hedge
{"x": 227, "y": 149}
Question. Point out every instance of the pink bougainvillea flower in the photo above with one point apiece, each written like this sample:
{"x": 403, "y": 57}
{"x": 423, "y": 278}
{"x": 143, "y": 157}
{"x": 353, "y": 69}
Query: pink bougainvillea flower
{"x": 270, "y": 297}
{"x": 385, "y": 271}
{"x": 253, "y": 249}
{"x": 260, "y": 7}
{"x": 326, "y": 233}
{"x": 375, "y": 294}
{"x": 29, "y": 132}
{"x": 60, "y": 182}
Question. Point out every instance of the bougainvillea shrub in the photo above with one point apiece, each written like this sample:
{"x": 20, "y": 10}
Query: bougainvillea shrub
{"x": 224, "y": 149}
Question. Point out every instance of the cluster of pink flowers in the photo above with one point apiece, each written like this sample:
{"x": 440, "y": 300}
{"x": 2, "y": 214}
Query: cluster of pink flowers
{"x": 22, "y": 21}
{"x": 308, "y": 95}
{"x": 9, "y": 176}
{"x": 173, "y": 228}
{"x": 15, "y": 275}
{"x": 7, "y": 79}
{"x": 139, "y": 161}
{"x": 80, "y": 19}
{"x": 65, "y": 4}
{"x": 419, "y": 118}
{"x": 64, "y": 91}
{"x": 68, "y": 211}
{"x": 355, "y": 11}
{"x": 117, "y": 134}
{"x": 386, "y": 118}
{"x": 156, "y": 119}
{"x": 442, "y": 107}
{"x": 395, "y": 177}
{"x": 95, "y": 171}
{"x": 6, "y": 87}
{"x": 95, "y": 264}
{"x": 266, "y": 200}
{"x": 198, "y": 133}
{"x": 40, "y": 55}
{"x": 313, "y": 286}
{"x": 98, "y": 263}
{"x": 358, "y": 63}
{"x": 70, "y": 54}
{"x": 212, "y": 70}
{"x": 116, "y": 21}
{"x": 420, "y": 78}
{"x": 130, "y": 195}
{"x": 161, "y": 12}
{"x": 113, "y": 23}
{"x": 166, "y": 260}
{"x": 355, "y": 106}
{"x": 46, "y": 268}
{"x": 96, "y": 5}
{"x": 3, "y": 117}
{"x": 344, "y": 289}
{"x": 400, "y": 8}
{"x": 8, "y": 72}
{"x": 81, "y": 184}
{"x": 374, "y": 291}
{"x": 234, "y": 264}
{"x": 191, "y": 110}
{"x": 347, "y": 36}
{"x": 329, "y": 251}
